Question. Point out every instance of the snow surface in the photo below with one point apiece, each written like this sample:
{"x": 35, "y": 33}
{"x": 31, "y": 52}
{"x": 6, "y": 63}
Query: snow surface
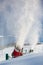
{"x": 38, "y": 49}
{"x": 3, "y": 53}
{"x": 29, "y": 59}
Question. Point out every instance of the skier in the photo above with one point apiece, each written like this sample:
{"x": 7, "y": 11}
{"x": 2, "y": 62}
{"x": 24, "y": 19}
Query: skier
{"x": 17, "y": 52}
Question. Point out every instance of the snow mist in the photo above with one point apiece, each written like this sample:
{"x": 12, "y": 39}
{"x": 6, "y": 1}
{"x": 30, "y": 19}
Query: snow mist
{"x": 24, "y": 21}
{"x": 30, "y": 24}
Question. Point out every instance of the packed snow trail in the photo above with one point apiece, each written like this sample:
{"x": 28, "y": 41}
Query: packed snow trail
{"x": 29, "y": 59}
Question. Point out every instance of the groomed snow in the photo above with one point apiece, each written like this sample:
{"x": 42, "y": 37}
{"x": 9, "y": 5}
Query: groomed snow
{"x": 29, "y": 59}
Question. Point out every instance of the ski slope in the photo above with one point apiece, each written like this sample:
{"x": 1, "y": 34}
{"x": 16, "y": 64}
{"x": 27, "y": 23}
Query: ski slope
{"x": 29, "y": 59}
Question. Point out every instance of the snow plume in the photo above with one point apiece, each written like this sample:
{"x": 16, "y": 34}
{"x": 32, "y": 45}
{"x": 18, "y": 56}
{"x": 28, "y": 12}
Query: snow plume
{"x": 25, "y": 26}
{"x": 23, "y": 20}
{"x": 31, "y": 25}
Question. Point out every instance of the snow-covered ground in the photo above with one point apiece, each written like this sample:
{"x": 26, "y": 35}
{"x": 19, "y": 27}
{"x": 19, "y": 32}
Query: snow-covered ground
{"x": 9, "y": 50}
{"x": 28, "y": 59}
{"x": 3, "y": 53}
